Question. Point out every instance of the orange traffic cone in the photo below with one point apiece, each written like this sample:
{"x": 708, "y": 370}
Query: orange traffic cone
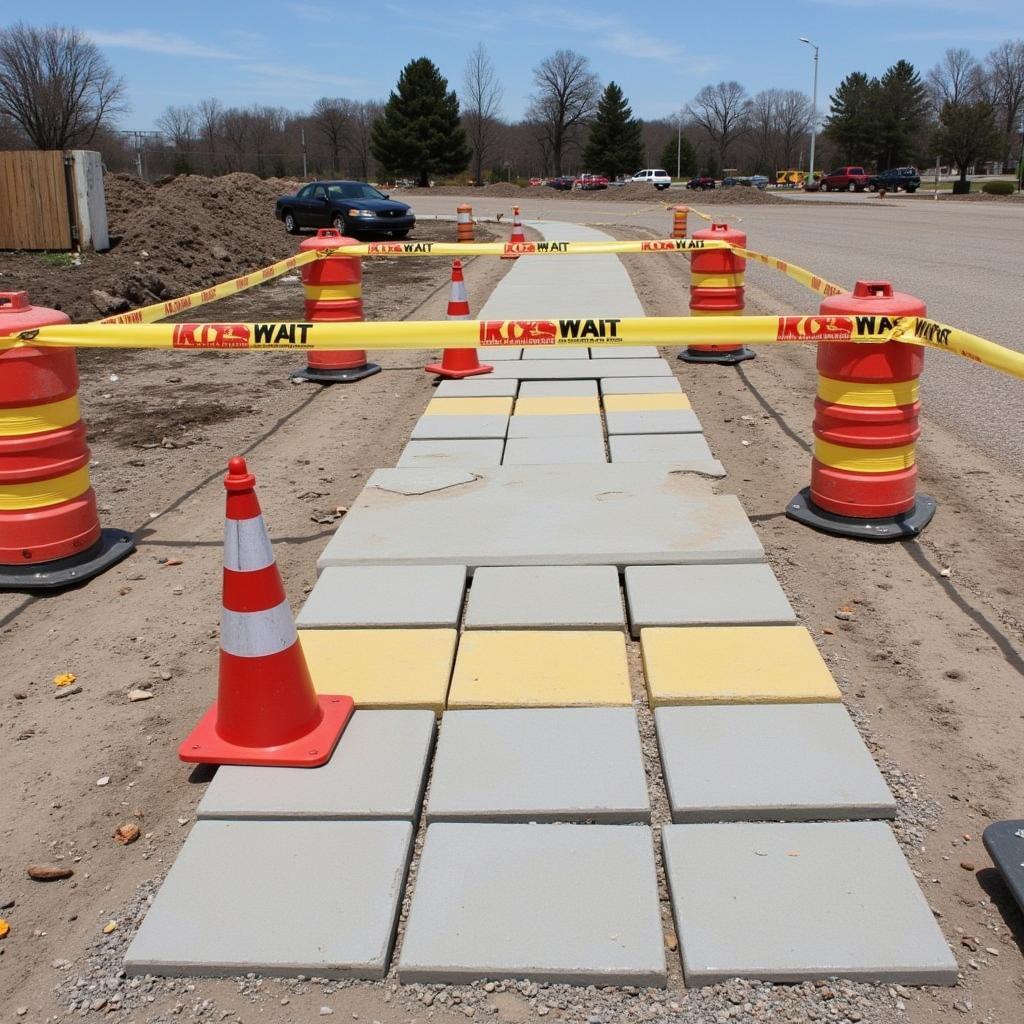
{"x": 266, "y": 712}
{"x": 458, "y": 362}
{"x": 517, "y": 235}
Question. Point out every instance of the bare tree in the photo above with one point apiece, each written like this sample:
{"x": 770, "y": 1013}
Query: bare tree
{"x": 764, "y": 112}
{"x": 362, "y": 115}
{"x": 211, "y": 115}
{"x": 235, "y": 128}
{"x": 566, "y": 97}
{"x": 481, "y": 105}
{"x": 723, "y": 111}
{"x": 56, "y": 85}
{"x": 178, "y": 124}
{"x": 957, "y": 78}
{"x": 1005, "y": 65}
{"x": 793, "y": 117}
{"x": 331, "y": 121}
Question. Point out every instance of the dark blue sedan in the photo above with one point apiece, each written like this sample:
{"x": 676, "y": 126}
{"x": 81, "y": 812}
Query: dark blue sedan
{"x": 353, "y": 207}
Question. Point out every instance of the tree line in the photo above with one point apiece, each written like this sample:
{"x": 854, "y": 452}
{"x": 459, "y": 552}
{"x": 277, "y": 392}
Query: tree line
{"x": 58, "y": 91}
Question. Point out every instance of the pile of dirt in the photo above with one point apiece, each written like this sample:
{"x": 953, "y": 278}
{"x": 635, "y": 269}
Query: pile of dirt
{"x": 738, "y": 195}
{"x": 979, "y": 197}
{"x": 502, "y": 190}
{"x": 167, "y": 239}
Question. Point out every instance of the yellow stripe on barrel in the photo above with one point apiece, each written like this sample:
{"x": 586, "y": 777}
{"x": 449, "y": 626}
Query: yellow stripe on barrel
{"x": 42, "y": 493}
{"x": 37, "y": 419}
{"x": 864, "y": 460}
{"x": 876, "y": 395}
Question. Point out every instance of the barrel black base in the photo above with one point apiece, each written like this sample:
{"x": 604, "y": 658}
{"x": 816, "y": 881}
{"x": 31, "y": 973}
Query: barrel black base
{"x": 689, "y": 355}
{"x": 349, "y": 376}
{"x": 113, "y": 546}
{"x": 901, "y": 527}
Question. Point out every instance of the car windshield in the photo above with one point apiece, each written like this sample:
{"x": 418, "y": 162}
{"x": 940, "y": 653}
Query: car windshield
{"x": 354, "y": 190}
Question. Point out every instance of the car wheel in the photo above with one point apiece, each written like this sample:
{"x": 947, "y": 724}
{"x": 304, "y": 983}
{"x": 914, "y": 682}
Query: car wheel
{"x": 291, "y": 225}
{"x": 872, "y": 187}
{"x": 400, "y": 234}
{"x": 338, "y": 223}
{"x": 911, "y": 191}
{"x": 852, "y": 187}
{"x": 824, "y": 187}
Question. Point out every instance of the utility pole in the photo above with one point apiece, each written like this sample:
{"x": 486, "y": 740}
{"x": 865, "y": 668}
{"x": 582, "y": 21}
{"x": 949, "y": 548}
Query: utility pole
{"x": 679, "y": 147}
{"x": 302, "y": 135}
{"x": 814, "y": 108}
{"x": 1020, "y": 161}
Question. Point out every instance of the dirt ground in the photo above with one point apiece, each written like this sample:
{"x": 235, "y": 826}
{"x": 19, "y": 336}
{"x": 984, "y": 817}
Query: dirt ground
{"x": 930, "y": 662}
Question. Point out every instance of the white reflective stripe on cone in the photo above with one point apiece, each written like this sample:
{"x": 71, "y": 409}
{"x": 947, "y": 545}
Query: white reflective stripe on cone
{"x": 257, "y": 634}
{"x": 458, "y": 292}
{"x": 246, "y": 545}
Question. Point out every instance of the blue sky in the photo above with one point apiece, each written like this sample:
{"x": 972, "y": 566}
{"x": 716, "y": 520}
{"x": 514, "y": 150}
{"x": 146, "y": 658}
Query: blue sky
{"x": 285, "y": 53}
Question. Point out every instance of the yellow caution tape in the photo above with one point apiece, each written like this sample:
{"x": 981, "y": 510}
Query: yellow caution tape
{"x": 613, "y": 332}
{"x": 37, "y": 419}
{"x": 867, "y": 396}
{"x": 609, "y": 332}
{"x": 42, "y": 493}
{"x": 864, "y": 460}
{"x": 798, "y": 274}
{"x": 540, "y": 248}
{"x": 922, "y": 331}
{"x": 159, "y": 310}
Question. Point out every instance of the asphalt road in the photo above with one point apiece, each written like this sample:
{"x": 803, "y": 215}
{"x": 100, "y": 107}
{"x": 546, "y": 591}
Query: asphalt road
{"x": 964, "y": 259}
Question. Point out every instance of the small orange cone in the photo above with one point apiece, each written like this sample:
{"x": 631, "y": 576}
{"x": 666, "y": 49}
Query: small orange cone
{"x": 267, "y": 711}
{"x": 458, "y": 362}
{"x": 518, "y": 237}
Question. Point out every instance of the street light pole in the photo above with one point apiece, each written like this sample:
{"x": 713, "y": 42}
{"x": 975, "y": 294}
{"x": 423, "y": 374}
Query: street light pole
{"x": 679, "y": 147}
{"x": 814, "y": 107}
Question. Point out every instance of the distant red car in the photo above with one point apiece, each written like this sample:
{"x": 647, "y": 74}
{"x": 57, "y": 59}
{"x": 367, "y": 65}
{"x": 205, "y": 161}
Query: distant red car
{"x": 536, "y": 181}
{"x": 590, "y": 182}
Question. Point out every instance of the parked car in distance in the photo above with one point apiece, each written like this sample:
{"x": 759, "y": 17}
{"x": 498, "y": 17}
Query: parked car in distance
{"x": 590, "y": 182}
{"x": 845, "y": 179}
{"x": 653, "y": 176}
{"x": 702, "y": 181}
{"x": 353, "y": 207}
{"x": 534, "y": 182}
{"x": 562, "y": 184}
{"x": 759, "y": 180}
{"x": 894, "y": 179}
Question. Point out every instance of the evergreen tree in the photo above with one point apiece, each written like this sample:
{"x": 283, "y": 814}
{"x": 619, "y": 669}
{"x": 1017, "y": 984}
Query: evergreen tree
{"x": 615, "y": 145}
{"x": 852, "y": 124}
{"x": 902, "y": 110}
{"x": 967, "y": 133}
{"x": 687, "y": 157}
{"x": 419, "y": 133}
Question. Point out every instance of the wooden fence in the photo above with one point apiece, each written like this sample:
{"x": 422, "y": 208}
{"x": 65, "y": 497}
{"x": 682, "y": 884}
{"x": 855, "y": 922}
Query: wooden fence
{"x": 36, "y": 208}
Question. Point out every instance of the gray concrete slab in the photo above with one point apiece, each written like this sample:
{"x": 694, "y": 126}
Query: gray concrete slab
{"x": 640, "y": 386}
{"x": 377, "y": 771}
{"x": 663, "y": 421}
{"x": 798, "y": 902}
{"x": 279, "y": 898}
{"x": 460, "y": 452}
{"x": 545, "y": 597}
{"x": 500, "y": 353}
{"x": 551, "y": 352}
{"x": 483, "y": 386}
{"x": 558, "y": 389}
{"x": 579, "y": 369}
{"x": 555, "y": 426}
{"x": 633, "y": 352}
{"x": 542, "y": 515}
{"x": 572, "y": 904}
{"x": 724, "y": 595}
{"x": 770, "y": 762}
{"x": 539, "y": 764}
{"x": 438, "y": 427}
{"x": 659, "y": 448}
{"x": 545, "y": 451}
{"x": 375, "y": 596}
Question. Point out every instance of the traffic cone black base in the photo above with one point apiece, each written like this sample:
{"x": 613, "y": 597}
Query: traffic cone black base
{"x": 902, "y": 527}
{"x": 689, "y": 355}
{"x": 348, "y": 376}
{"x": 113, "y": 546}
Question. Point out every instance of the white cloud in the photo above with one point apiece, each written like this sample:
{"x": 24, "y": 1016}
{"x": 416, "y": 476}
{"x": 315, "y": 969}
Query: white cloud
{"x": 148, "y": 41}
{"x": 312, "y": 12}
{"x": 965, "y": 35}
{"x": 612, "y": 34}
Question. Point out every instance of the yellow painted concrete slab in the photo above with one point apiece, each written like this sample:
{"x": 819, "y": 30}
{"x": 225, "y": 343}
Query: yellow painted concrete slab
{"x": 382, "y": 668}
{"x": 735, "y": 665}
{"x": 468, "y": 407}
{"x": 540, "y": 668}
{"x": 550, "y": 406}
{"x": 645, "y": 403}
